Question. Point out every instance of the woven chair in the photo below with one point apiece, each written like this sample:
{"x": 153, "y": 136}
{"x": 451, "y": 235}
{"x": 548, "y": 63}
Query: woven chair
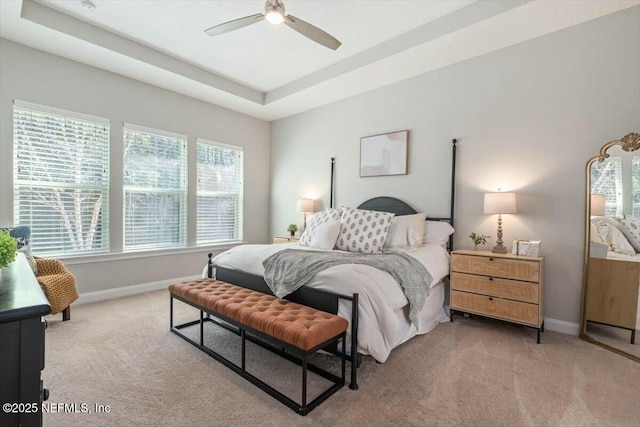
{"x": 59, "y": 285}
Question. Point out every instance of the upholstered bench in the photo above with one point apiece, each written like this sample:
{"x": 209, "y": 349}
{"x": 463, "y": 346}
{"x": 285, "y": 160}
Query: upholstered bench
{"x": 291, "y": 330}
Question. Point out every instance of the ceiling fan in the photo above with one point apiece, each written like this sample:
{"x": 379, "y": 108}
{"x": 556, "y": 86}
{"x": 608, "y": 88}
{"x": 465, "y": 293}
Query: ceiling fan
{"x": 274, "y": 14}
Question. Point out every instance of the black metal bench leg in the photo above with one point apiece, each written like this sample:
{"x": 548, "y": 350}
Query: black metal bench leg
{"x": 304, "y": 382}
{"x": 201, "y": 328}
{"x": 633, "y": 336}
{"x": 244, "y": 341}
{"x": 354, "y": 343}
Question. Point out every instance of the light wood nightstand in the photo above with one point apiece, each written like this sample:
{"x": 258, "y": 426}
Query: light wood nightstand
{"x": 285, "y": 239}
{"x": 500, "y": 286}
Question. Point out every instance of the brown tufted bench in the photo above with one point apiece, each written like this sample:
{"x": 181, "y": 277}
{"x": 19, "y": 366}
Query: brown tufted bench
{"x": 292, "y": 330}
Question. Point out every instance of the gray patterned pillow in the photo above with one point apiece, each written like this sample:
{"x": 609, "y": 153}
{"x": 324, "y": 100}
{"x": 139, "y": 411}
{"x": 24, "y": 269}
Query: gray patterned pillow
{"x": 316, "y": 221}
{"x": 363, "y": 231}
{"x": 630, "y": 227}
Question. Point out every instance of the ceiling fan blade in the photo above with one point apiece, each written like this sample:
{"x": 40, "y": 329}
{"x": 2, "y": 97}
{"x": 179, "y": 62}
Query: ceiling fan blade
{"x": 314, "y": 33}
{"x": 235, "y": 24}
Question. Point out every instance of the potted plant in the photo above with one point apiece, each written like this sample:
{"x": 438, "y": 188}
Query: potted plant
{"x": 292, "y": 229}
{"x": 478, "y": 239}
{"x": 8, "y": 248}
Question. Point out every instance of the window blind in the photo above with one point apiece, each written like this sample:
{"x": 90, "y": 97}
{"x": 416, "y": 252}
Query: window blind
{"x": 61, "y": 179}
{"x": 155, "y": 188}
{"x": 219, "y": 192}
{"x": 606, "y": 178}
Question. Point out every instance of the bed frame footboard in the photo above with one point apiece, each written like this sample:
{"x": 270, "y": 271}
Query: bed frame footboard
{"x": 316, "y": 298}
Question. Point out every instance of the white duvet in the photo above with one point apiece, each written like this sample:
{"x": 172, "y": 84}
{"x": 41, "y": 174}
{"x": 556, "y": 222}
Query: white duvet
{"x": 383, "y": 321}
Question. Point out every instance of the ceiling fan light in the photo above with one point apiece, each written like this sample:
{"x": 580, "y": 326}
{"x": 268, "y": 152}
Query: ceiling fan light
{"x": 274, "y": 17}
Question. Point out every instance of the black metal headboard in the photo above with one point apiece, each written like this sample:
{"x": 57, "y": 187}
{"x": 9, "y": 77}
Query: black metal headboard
{"x": 388, "y": 204}
{"x": 393, "y": 205}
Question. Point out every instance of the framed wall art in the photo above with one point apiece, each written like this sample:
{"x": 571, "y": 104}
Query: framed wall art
{"x": 384, "y": 154}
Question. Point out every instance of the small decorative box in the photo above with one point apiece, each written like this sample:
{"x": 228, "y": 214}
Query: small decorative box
{"x": 526, "y": 247}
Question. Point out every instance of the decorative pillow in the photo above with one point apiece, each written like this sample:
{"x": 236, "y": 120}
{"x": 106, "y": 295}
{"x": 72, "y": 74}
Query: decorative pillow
{"x": 398, "y": 234}
{"x": 406, "y": 230}
{"x": 316, "y": 221}
{"x": 630, "y": 227}
{"x": 326, "y": 235}
{"x": 437, "y": 232}
{"x": 363, "y": 230}
{"x": 26, "y": 250}
{"x": 604, "y": 231}
{"x": 22, "y": 234}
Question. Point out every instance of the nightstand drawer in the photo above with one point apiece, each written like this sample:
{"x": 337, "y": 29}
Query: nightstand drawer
{"x": 497, "y": 267}
{"x": 504, "y": 288}
{"x": 513, "y": 311}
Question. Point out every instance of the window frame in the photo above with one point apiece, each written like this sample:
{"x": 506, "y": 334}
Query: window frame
{"x": 182, "y": 193}
{"x": 103, "y": 225}
{"x": 239, "y": 195}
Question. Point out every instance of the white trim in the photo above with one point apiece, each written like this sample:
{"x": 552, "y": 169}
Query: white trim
{"x": 218, "y": 144}
{"x": 107, "y": 294}
{"x": 60, "y": 112}
{"x": 166, "y": 133}
{"x": 561, "y": 326}
{"x": 135, "y": 254}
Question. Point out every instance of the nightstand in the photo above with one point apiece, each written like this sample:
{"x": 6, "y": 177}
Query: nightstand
{"x": 285, "y": 239}
{"x": 500, "y": 286}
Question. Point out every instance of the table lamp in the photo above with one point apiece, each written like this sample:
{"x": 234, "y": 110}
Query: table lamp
{"x": 304, "y": 206}
{"x": 597, "y": 205}
{"x": 499, "y": 203}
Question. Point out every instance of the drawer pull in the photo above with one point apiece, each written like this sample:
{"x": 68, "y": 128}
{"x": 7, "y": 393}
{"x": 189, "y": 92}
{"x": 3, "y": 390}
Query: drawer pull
{"x": 490, "y": 278}
{"x": 490, "y": 298}
{"x": 491, "y": 259}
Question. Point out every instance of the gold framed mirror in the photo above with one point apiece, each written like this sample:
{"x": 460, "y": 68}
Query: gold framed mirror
{"x": 610, "y": 314}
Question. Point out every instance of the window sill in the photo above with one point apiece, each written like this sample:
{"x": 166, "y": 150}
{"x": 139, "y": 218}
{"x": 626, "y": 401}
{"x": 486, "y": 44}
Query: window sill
{"x": 90, "y": 259}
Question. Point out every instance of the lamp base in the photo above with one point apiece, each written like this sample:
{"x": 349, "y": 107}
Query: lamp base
{"x": 499, "y": 249}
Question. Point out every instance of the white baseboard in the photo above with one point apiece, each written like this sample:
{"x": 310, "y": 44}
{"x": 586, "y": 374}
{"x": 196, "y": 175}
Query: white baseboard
{"x": 95, "y": 296}
{"x": 561, "y": 326}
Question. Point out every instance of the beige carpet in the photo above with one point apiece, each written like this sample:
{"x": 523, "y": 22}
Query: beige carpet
{"x": 472, "y": 372}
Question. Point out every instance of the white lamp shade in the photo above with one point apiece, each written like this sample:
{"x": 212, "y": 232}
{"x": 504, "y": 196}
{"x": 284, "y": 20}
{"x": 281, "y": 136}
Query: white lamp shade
{"x": 500, "y": 203}
{"x": 597, "y": 204}
{"x": 304, "y": 205}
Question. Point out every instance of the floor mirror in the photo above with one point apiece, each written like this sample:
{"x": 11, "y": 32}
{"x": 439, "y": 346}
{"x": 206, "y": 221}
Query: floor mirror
{"x": 610, "y": 315}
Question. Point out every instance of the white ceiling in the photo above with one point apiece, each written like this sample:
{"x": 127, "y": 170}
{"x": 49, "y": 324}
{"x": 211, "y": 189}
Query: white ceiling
{"x": 272, "y": 71}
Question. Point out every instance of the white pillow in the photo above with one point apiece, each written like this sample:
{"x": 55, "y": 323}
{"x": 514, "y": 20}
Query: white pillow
{"x": 363, "y": 230}
{"x": 406, "y": 230}
{"x": 607, "y": 233}
{"x": 437, "y": 232}
{"x": 26, "y": 250}
{"x": 398, "y": 234}
{"x": 316, "y": 221}
{"x": 630, "y": 227}
{"x": 326, "y": 235}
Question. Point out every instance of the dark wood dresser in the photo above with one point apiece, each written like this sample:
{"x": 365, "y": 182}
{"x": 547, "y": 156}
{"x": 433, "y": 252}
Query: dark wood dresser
{"x": 22, "y": 305}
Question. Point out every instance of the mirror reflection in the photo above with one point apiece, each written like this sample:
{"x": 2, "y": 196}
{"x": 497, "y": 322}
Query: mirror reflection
{"x": 612, "y": 288}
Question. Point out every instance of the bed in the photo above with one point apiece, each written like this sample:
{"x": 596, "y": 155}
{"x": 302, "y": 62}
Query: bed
{"x": 614, "y": 274}
{"x": 380, "y": 318}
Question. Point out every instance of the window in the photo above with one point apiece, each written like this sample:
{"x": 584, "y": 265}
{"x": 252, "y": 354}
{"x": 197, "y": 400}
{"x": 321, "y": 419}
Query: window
{"x": 61, "y": 179}
{"x": 155, "y": 188}
{"x": 219, "y": 192}
{"x": 635, "y": 177}
{"x": 606, "y": 178}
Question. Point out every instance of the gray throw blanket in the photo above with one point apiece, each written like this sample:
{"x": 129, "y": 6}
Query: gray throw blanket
{"x": 287, "y": 270}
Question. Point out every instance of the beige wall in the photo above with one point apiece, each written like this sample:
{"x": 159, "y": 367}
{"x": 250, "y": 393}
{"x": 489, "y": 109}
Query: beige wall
{"x": 527, "y": 117}
{"x": 34, "y": 76}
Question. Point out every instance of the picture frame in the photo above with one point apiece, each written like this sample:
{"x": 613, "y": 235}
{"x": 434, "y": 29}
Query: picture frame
{"x": 384, "y": 154}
